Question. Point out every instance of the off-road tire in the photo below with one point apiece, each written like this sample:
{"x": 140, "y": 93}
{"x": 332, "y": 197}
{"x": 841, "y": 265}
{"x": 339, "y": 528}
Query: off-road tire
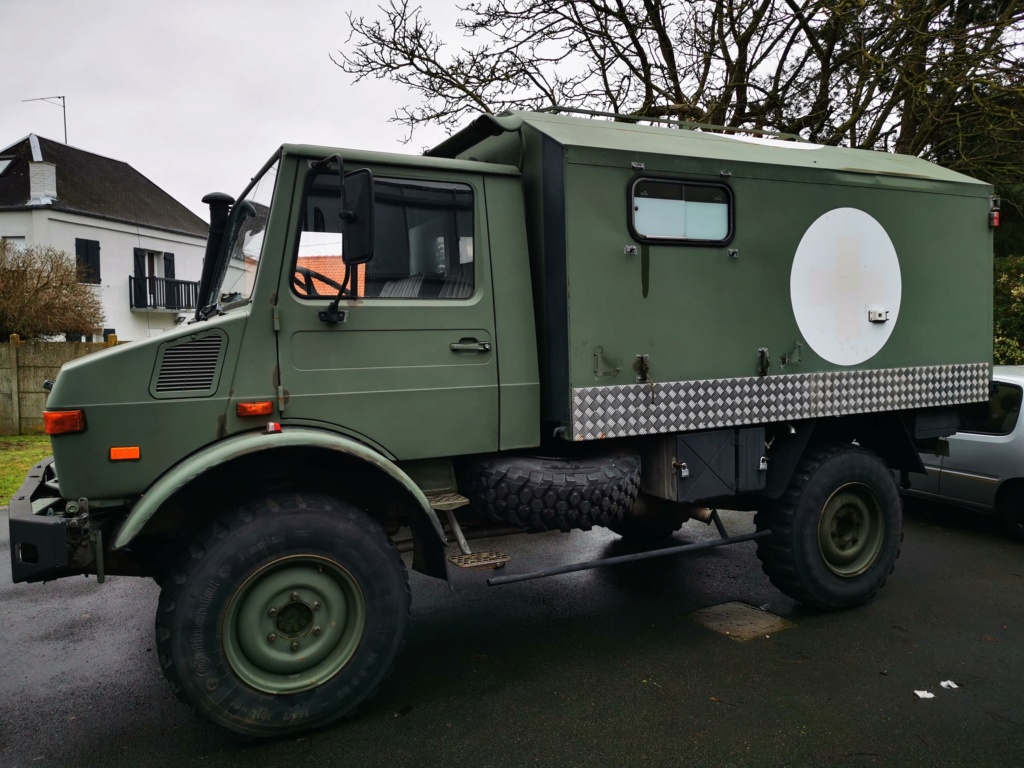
{"x": 545, "y": 493}
{"x": 835, "y": 483}
{"x": 278, "y": 544}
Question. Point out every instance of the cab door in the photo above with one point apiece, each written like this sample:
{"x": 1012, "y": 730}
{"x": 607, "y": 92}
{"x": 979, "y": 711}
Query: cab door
{"x": 411, "y": 368}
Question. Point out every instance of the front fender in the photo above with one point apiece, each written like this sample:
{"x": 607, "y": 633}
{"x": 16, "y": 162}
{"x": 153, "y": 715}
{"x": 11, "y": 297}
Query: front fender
{"x": 430, "y": 533}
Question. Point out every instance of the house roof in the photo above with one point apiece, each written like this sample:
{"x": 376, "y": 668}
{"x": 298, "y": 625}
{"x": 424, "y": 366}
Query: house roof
{"x": 92, "y": 185}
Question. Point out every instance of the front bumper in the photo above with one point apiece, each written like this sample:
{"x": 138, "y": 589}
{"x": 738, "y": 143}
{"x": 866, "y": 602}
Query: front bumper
{"x": 40, "y": 550}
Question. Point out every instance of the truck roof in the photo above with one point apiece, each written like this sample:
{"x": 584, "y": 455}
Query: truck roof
{"x": 397, "y": 158}
{"x": 603, "y": 135}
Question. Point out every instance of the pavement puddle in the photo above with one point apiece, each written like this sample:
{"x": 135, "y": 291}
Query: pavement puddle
{"x": 740, "y": 621}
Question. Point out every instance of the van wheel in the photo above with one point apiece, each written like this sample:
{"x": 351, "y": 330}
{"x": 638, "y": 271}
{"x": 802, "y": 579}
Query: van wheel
{"x": 836, "y": 531}
{"x": 1011, "y": 512}
{"x": 283, "y": 616}
{"x": 546, "y": 493}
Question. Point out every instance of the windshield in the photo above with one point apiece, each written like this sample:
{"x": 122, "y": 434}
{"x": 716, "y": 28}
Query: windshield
{"x": 243, "y": 241}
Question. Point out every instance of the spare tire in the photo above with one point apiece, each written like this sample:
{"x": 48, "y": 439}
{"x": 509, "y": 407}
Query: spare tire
{"x": 543, "y": 493}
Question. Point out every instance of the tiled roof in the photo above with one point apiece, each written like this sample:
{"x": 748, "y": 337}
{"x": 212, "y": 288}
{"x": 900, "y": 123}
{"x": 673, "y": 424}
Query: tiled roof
{"x": 331, "y": 267}
{"x": 93, "y": 185}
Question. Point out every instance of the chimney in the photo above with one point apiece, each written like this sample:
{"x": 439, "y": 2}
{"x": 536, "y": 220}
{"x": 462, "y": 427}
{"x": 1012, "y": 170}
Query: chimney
{"x": 42, "y": 179}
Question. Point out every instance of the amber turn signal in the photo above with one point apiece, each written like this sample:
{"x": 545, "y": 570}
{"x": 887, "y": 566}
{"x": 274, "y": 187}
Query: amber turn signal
{"x": 125, "y": 453}
{"x": 61, "y": 422}
{"x": 261, "y": 408}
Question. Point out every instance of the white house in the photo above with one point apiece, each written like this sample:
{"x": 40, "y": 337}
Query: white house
{"x": 141, "y": 248}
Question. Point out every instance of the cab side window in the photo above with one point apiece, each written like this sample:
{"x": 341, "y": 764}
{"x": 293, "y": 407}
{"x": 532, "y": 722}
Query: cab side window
{"x": 423, "y": 242}
{"x": 423, "y": 246}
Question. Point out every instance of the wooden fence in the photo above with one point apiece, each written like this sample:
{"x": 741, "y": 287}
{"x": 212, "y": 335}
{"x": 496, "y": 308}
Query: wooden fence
{"x": 24, "y": 366}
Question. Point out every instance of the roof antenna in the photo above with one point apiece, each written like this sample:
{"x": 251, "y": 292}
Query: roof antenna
{"x": 62, "y": 105}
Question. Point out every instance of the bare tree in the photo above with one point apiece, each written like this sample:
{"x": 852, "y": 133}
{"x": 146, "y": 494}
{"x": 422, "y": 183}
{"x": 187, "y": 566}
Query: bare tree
{"x": 943, "y": 79}
{"x": 41, "y": 294}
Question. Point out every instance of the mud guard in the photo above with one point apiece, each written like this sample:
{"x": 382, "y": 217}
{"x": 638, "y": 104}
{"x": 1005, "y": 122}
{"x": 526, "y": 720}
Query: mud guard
{"x": 428, "y": 535}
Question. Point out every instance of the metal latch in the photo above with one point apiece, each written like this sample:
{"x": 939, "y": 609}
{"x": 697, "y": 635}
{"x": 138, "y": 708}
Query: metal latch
{"x": 878, "y": 315}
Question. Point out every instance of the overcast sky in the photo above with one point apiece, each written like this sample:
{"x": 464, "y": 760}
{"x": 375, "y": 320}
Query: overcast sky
{"x": 194, "y": 94}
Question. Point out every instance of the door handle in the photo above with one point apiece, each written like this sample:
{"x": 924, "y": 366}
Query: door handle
{"x": 470, "y": 345}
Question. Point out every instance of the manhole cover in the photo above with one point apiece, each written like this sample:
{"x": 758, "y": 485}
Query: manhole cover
{"x": 740, "y": 621}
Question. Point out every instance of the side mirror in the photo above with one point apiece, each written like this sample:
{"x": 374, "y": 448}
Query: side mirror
{"x": 357, "y": 215}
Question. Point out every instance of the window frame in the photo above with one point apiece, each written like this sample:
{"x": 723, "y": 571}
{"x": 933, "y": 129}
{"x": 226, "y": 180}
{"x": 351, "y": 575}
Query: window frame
{"x": 682, "y": 181}
{"x": 361, "y": 274}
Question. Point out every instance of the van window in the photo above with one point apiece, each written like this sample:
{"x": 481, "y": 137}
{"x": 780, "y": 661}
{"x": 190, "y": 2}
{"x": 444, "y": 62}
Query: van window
{"x": 682, "y": 211}
{"x": 997, "y": 416}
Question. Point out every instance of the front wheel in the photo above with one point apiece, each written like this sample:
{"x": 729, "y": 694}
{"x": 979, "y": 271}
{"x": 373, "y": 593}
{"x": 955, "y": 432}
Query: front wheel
{"x": 283, "y": 616}
{"x": 836, "y": 531}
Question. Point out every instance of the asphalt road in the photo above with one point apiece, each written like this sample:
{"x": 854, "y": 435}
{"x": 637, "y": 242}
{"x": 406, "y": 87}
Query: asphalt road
{"x": 599, "y": 668}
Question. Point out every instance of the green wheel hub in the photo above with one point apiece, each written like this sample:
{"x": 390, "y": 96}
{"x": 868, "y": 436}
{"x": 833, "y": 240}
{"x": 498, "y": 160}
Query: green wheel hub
{"x": 851, "y": 530}
{"x": 294, "y": 624}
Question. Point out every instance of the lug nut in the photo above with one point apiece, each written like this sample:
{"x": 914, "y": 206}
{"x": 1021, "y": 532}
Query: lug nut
{"x": 295, "y": 647}
{"x": 295, "y": 597}
{"x": 316, "y": 605}
{"x": 272, "y": 612}
{"x": 271, "y": 637}
{"x": 317, "y": 630}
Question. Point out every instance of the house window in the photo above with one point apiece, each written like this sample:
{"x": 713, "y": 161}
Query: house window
{"x": 18, "y": 243}
{"x": 87, "y": 259}
{"x": 683, "y": 212}
{"x": 4, "y": 162}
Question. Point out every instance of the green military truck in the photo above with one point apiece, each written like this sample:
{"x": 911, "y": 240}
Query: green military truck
{"x": 545, "y": 322}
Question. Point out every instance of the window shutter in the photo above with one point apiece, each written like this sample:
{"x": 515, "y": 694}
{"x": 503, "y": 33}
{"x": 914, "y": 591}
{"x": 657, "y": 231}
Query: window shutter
{"x": 172, "y": 289}
{"x": 87, "y": 259}
{"x": 139, "y": 292}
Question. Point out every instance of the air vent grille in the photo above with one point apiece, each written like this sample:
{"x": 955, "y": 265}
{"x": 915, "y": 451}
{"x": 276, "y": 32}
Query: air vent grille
{"x": 190, "y": 367}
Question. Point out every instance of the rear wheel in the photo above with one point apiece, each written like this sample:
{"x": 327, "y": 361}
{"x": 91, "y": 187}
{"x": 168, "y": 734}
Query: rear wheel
{"x": 284, "y": 616}
{"x": 836, "y": 531}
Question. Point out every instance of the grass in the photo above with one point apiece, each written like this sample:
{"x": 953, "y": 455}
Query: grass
{"x": 17, "y": 455}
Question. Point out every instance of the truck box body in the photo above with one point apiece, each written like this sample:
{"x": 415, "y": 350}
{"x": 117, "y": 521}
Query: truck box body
{"x": 701, "y": 311}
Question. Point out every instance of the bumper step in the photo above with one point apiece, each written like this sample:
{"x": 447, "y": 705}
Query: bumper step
{"x": 480, "y": 561}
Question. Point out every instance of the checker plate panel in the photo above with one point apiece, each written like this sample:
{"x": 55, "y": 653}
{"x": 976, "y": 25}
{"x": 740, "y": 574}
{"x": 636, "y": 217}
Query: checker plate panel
{"x": 622, "y": 410}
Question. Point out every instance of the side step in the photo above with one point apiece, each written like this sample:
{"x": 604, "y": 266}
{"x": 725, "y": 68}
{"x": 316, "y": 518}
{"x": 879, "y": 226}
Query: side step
{"x": 478, "y": 561}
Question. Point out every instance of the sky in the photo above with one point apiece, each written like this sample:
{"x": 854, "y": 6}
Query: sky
{"x": 196, "y": 94}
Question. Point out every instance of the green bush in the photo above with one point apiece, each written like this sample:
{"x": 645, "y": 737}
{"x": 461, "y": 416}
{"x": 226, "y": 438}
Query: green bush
{"x": 1008, "y": 310}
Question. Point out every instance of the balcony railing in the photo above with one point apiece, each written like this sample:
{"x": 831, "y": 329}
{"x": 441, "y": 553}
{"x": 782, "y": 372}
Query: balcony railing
{"x": 161, "y": 293}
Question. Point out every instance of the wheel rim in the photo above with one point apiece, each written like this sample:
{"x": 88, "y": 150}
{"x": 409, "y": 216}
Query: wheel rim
{"x": 294, "y": 624}
{"x": 851, "y": 530}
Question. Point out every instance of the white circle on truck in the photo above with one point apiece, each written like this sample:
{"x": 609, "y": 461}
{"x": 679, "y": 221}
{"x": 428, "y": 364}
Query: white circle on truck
{"x": 846, "y": 286}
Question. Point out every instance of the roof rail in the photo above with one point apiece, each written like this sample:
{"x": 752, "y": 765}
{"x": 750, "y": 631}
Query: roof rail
{"x": 671, "y": 121}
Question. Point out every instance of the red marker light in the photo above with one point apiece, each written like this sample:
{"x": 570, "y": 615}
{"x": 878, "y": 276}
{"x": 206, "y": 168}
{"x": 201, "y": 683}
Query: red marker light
{"x": 261, "y": 408}
{"x": 61, "y": 422}
{"x": 273, "y": 427}
{"x": 993, "y": 219}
